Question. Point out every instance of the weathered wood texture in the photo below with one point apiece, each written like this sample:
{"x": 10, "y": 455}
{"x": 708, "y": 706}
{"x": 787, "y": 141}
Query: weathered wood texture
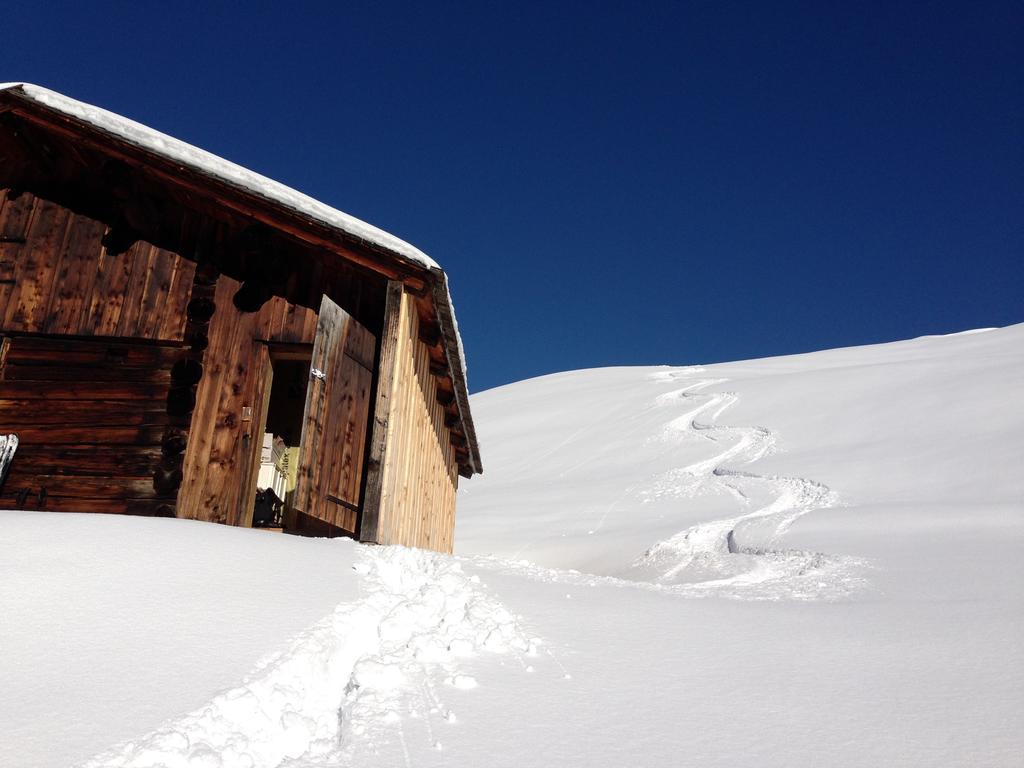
{"x": 222, "y": 448}
{"x": 90, "y": 415}
{"x": 369, "y": 525}
{"x": 420, "y": 470}
{"x": 56, "y": 277}
{"x": 334, "y": 422}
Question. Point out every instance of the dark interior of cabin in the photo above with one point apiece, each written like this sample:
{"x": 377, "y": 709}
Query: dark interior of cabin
{"x": 287, "y": 398}
{"x": 281, "y": 438}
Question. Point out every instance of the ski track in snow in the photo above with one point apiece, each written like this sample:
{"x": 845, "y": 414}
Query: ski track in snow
{"x": 736, "y": 557}
{"x": 371, "y": 673}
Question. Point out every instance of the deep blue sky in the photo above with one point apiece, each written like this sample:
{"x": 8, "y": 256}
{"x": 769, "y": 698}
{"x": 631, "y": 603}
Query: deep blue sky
{"x": 611, "y": 183}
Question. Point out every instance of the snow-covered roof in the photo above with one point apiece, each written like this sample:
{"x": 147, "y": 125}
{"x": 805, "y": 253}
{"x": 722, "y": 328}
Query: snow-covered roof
{"x": 279, "y": 195}
{"x": 211, "y": 165}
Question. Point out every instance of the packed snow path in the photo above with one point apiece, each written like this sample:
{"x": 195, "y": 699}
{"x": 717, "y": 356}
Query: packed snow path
{"x": 352, "y": 680}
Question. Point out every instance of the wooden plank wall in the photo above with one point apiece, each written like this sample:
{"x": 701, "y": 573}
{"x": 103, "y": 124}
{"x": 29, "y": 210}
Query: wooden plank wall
{"x": 57, "y": 278}
{"x": 90, "y": 415}
{"x": 222, "y": 449}
{"x": 420, "y": 474}
{"x": 91, "y": 338}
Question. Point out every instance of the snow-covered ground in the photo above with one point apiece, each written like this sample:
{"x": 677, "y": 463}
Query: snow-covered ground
{"x": 808, "y": 560}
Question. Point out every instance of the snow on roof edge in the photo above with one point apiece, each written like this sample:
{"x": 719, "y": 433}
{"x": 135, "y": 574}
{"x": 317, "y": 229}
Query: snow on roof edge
{"x": 212, "y": 165}
{"x": 459, "y": 375}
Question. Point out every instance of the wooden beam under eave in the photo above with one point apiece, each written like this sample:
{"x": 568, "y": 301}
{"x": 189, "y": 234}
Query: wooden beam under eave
{"x": 430, "y": 334}
{"x": 34, "y": 148}
{"x": 423, "y": 292}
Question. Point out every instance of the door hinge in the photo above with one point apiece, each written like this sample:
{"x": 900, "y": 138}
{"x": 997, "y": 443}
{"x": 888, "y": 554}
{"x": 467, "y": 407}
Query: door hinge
{"x": 316, "y": 373}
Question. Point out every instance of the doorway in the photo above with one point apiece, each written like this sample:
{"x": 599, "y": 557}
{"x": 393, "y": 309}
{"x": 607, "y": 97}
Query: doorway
{"x": 314, "y": 413}
{"x": 280, "y": 439}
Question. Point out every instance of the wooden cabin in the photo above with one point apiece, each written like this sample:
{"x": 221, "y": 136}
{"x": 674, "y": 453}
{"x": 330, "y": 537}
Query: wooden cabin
{"x": 172, "y": 323}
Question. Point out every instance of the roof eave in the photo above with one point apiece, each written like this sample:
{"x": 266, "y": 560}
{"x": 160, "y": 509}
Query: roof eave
{"x": 445, "y": 314}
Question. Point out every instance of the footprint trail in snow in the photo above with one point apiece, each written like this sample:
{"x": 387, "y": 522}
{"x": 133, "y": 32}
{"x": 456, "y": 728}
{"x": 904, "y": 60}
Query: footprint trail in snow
{"x": 371, "y": 676}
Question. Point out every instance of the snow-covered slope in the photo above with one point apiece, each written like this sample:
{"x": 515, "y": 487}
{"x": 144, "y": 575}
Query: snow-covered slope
{"x": 599, "y": 465}
{"x": 875, "y": 495}
{"x": 810, "y": 560}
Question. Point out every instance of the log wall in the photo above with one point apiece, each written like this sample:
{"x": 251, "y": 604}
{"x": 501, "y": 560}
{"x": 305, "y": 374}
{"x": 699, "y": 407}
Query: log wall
{"x": 90, "y": 415}
{"x": 420, "y": 470}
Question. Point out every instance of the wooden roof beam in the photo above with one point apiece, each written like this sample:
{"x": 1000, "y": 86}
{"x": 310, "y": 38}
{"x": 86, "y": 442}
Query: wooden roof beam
{"x": 430, "y": 334}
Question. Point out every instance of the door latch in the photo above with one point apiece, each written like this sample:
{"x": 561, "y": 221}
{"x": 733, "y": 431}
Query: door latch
{"x": 316, "y": 373}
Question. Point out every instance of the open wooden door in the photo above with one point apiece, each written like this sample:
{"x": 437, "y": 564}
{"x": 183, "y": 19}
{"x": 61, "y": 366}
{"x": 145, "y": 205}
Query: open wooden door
{"x": 334, "y": 422}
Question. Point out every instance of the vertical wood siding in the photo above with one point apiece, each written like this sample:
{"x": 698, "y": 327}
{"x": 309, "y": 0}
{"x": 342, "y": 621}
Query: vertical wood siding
{"x": 57, "y": 278}
{"x": 420, "y": 474}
